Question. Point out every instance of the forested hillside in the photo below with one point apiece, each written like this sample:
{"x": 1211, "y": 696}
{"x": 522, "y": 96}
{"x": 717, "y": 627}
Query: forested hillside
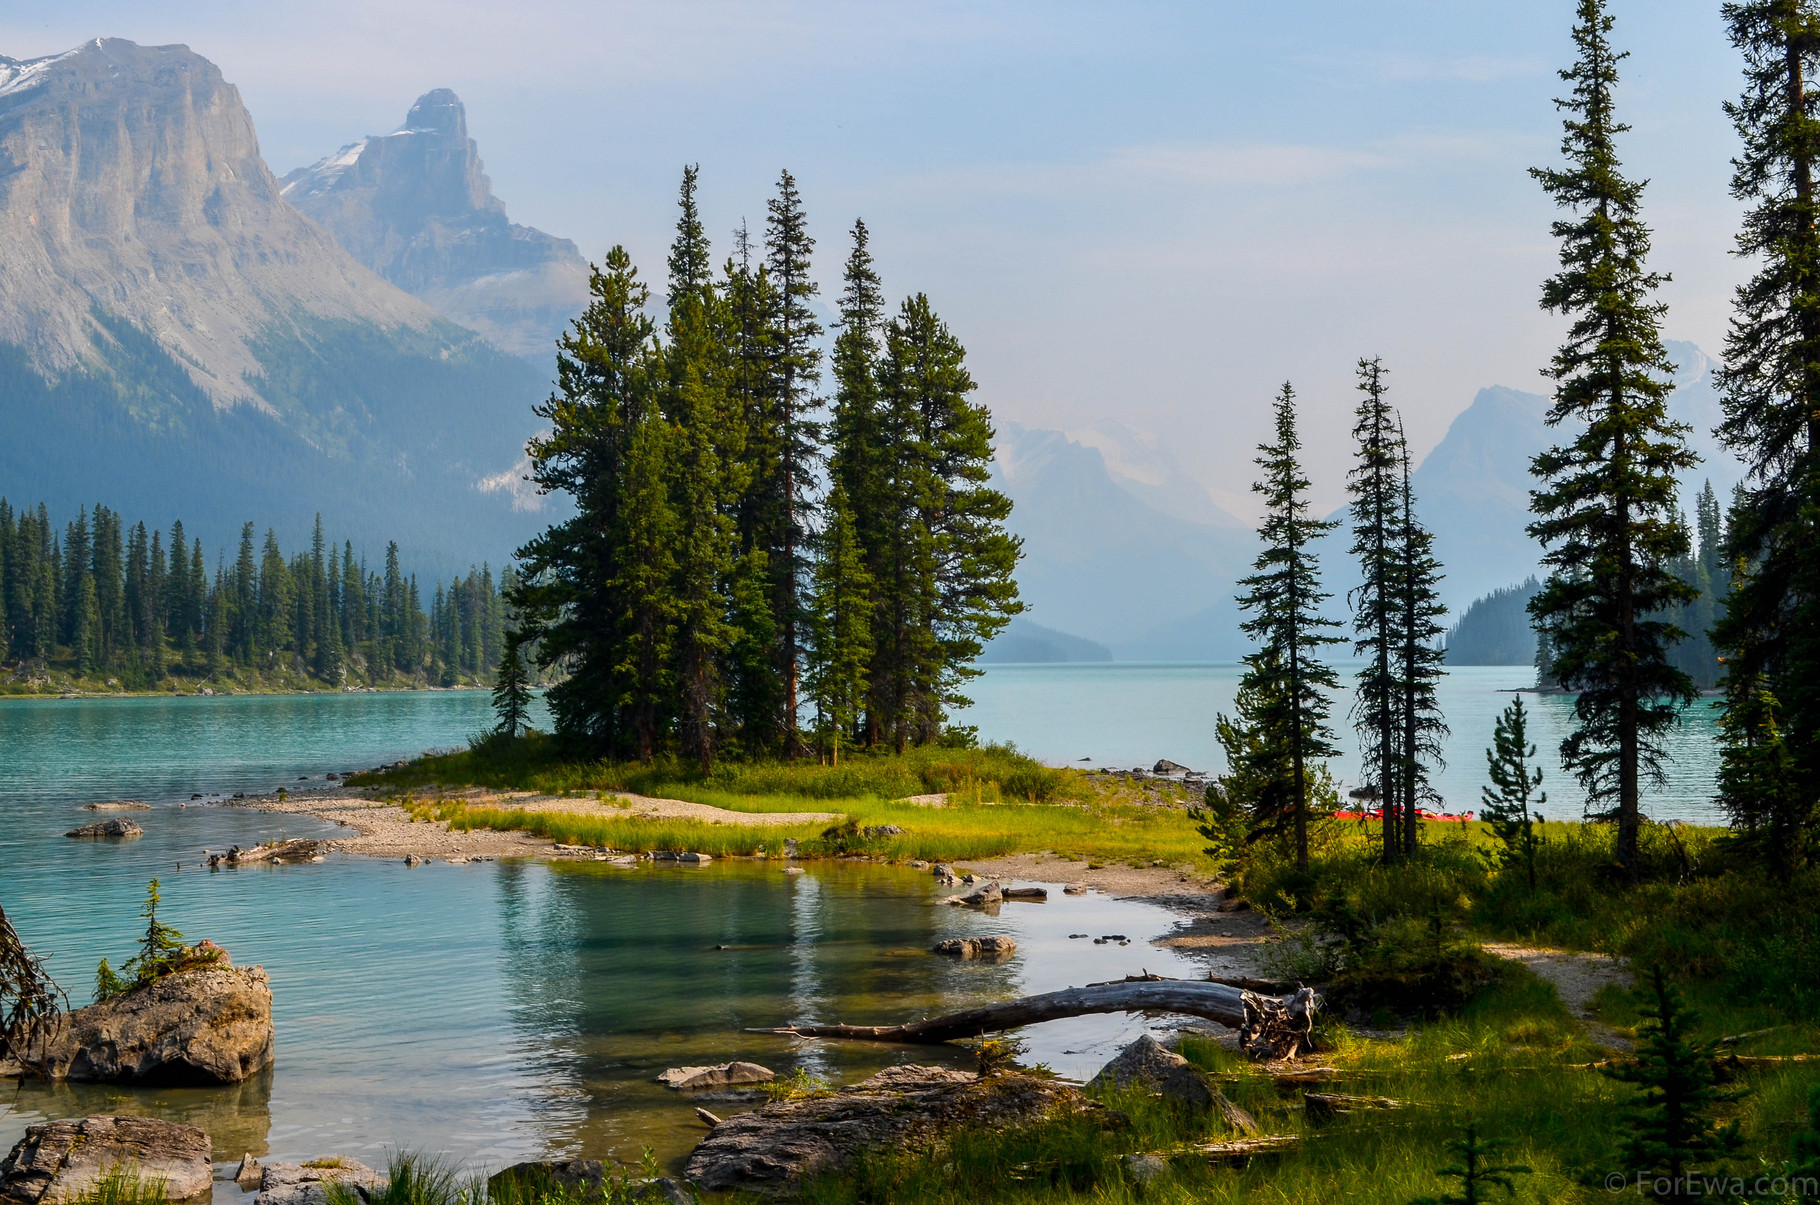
{"x": 110, "y": 605}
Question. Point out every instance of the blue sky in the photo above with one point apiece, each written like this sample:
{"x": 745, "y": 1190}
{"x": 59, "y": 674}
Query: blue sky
{"x": 1151, "y": 213}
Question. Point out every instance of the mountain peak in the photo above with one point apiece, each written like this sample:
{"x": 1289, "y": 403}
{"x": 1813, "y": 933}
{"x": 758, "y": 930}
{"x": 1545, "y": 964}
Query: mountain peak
{"x": 416, "y": 206}
{"x": 438, "y": 111}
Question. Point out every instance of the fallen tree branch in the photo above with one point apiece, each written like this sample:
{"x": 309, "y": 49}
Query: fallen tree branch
{"x": 1262, "y": 1021}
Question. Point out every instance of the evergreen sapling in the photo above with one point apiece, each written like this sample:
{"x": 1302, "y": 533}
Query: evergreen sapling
{"x": 1509, "y": 803}
{"x": 1477, "y": 1170}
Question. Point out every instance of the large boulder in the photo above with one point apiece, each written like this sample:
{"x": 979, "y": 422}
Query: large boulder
{"x": 988, "y": 949}
{"x": 1148, "y": 1064}
{"x": 773, "y": 1149}
{"x": 212, "y": 1025}
{"x": 62, "y": 1160}
{"x": 309, "y": 1183}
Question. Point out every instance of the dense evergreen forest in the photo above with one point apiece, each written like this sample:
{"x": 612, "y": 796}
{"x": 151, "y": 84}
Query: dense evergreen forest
{"x": 747, "y": 551}
{"x": 107, "y": 604}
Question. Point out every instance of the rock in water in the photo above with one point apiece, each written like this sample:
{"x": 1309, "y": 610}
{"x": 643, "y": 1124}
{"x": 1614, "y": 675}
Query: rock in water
{"x": 117, "y": 805}
{"x": 206, "y": 1026}
{"x": 1165, "y": 766}
{"x": 108, "y": 828}
{"x": 308, "y": 1183}
{"x": 1029, "y": 895}
{"x": 1145, "y": 1063}
{"x": 62, "y": 1160}
{"x": 987, "y": 948}
{"x": 772, "y": 1149}
{"x": 688, "y": 1079}
{"x": 987, "y": 895}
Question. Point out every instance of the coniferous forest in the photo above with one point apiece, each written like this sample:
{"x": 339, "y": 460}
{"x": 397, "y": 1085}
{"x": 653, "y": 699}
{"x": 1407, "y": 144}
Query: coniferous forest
{"x": 772, "y": 553}
{"x": 103, "y": 604}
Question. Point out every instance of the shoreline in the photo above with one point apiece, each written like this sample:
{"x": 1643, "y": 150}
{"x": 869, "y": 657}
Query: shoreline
{"x": 383, "y": 829}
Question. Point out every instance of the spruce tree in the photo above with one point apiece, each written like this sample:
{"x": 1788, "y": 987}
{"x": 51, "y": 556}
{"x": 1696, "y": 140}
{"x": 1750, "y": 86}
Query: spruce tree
{"x": 1423, "y": 658}
{"x": 1770, "y": 385}
{"x": 707, "y": 476}
{"x": 795, "y": 434}
{"x": 511, "y": 688}
{"x": 949, "y": 562}
{"x": 858, "y": 452}
{"x": 1375, "y": 484}
{"x": 840, "y": 650}
{"x": 583, "y": 597}
{"x": 1286, "y": 675}
{"x": 1606, "y": 510}
{"x": 1758, "y": 785}
{"x": 1509, "y": 804}
{"x": 1670, "y": 1133}
{"x": 1477, "y": 1170}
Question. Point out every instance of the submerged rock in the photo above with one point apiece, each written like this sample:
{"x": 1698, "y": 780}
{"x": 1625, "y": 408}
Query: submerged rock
{"x": 773, "y": 1149}
{"x": 687, "y": 1079}
{"x": 107, "y": 828}
{"x": 212, "y": 1025}
{"x": 62, "y": 1160}
{"x": 119, "y": 805}
{"x": 992, "y": 949}
{"x": 309, "y": 1183}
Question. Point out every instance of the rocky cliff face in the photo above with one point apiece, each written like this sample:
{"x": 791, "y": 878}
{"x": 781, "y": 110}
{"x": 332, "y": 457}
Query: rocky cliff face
{"x": 416, "y": 206}
{"x": 176, "y": 339}
{"x": 131, "y": 183}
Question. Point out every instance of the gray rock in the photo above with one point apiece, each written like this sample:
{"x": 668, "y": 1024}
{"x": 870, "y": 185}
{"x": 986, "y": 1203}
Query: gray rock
{"x": 308, "y": 1183}
{"x": 874, "y": 832}
{"x": 1147, "y": 1064}
{"x": 942, "y": 871}
{"x": 688, "y": 859}
{"x": 1165, "y": 766}
{"x": 1029, "y": 895}
{"x": 1075, "y": 889}
{"x": 117, "y": 805}
{"x": 990, "y": 949}
{"x": 62, "y": 1160}
{"x": 664, "y": 1190}
{"x": 986, "y": 895}
{"x": 771, "y": 1150}
{"x": 248, "y": 1174}
{"x": 1144, "y": 1168}
{"x": 102, "y": 829}
{"x": 206, "y": 1026}
{"x": 685, "y": 1079}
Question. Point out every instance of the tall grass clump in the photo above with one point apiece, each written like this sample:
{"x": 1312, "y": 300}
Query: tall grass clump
{"x": 122, "y": 1185}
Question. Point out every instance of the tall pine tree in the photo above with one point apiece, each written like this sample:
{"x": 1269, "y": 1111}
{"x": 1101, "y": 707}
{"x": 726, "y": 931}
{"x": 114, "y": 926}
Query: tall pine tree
{"x": 1285, "y": 678}
{"x": 1423, "y": 659}
{"x": 1375, "y": 483}
{"x": 1770, "y": 387}
{"x": 1606, "y": 510}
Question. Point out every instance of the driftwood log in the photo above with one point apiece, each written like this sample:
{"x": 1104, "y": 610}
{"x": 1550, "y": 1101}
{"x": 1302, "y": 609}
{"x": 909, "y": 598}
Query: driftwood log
{"x": 1277, "y": 1026}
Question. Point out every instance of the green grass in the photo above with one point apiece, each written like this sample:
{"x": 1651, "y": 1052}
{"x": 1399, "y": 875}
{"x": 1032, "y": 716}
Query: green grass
{"x": 123, "y": 1186}
{"x": 1513, "y": 1059}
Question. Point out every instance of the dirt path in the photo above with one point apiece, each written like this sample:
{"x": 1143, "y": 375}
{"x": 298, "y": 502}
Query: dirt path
{"x": 1577, "y": 978}
{"x": 385, "y": 830}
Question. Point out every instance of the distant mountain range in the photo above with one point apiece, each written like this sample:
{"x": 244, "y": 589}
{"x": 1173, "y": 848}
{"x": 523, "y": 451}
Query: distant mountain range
{"x": 1124, "y": 548}
{"x": 178, "y": 340}
{"x": 416, "y": 206}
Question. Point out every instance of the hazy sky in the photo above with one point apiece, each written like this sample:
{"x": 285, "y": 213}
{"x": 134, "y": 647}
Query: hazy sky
{"x": 1147, "y": 212}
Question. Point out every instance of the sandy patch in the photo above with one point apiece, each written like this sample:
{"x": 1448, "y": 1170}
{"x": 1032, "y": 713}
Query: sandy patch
{"x": 385, "y": 830}
{"x": 1113, "y": 878}
{"x": 1577, "y": 978}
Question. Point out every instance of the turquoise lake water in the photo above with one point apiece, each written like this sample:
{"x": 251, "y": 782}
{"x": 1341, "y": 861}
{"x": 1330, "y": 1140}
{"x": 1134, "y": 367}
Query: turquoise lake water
{"x": 499, "y": 1011}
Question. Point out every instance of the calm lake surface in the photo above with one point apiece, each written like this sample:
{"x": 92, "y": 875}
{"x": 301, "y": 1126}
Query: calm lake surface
{"x": 501, "y": 1011}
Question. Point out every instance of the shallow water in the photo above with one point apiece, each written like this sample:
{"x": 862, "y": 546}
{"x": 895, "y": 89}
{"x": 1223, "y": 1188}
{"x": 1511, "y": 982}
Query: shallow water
{"x": 492, "y": 1011}
{"x": 499, "y": 1011}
